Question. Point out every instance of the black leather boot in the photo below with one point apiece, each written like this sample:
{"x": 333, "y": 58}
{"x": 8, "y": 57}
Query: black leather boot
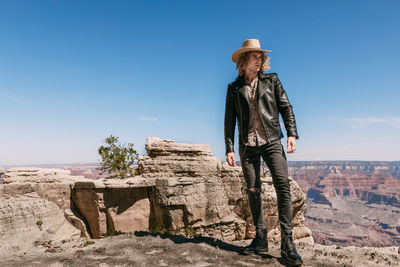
{"x": 288, "y": 251}
{"x": 259, "y": 243}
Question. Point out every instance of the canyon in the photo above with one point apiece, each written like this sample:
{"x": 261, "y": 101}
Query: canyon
{"x": 351, "y": 202}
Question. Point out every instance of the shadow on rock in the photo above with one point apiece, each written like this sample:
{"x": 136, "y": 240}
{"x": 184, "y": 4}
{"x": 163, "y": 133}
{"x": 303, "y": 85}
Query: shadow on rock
{"x": 180, "y": 239}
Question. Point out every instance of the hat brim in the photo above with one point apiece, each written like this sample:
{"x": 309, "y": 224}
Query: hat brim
{"x": 237, "y": 53}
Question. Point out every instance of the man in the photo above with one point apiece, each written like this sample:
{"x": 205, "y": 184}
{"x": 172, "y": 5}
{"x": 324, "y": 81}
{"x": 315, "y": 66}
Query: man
{"x": 255, "y": 100}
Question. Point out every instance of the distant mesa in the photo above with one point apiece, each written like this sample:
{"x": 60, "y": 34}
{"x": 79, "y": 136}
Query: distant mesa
{"x": 351, "y": 202}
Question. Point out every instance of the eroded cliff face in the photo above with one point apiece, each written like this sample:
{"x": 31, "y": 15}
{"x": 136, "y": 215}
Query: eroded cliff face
{"x": 113, "y": 206}
{"x": 181, "y": 188}
{"x": 35, "y": 205}
{"x": 1, "y": 175}
{"x": 196, "y": 190}
{"x": 351, "y": 203}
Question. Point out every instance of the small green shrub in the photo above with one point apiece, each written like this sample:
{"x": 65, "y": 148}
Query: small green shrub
{"x": 88, "y": 243}
{"x": 115, "y": 233}
{"x": 39, "y": 224}
{"x": 189, "y": 231}
{"x": 158, "y": 229}
{"x": 116, "y": 159}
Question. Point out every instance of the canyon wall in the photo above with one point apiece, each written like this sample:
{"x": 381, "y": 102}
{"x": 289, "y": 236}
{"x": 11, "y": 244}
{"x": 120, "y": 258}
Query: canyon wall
{"x": 351, "y": 202}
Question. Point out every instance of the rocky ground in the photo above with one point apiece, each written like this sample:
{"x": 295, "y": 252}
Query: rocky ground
{"x": 146, "y": 249}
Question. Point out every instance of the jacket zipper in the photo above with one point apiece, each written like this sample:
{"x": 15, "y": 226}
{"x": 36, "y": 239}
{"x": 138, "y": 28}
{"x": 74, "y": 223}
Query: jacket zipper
{"x": 241, "y": 123}
{"x": 265, "y": 130}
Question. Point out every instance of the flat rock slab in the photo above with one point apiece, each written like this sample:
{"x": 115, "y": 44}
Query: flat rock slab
{"x": 145, "y": 249}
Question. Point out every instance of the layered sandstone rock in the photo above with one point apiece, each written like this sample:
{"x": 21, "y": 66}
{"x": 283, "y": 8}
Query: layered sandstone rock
{"x": 199, "y": 191}
{"x": 36, "y": 175}
{"x": 34, "y": 208}
{"x": 1, "y": 175}
{"x": 27, "y": 218}
{"x": 169, "y": 159}
{"x": 190, "y": 192}
{"x": 181, "y": 188}
{"x": 113, "y": 206}
{"x": 52, "y": 185}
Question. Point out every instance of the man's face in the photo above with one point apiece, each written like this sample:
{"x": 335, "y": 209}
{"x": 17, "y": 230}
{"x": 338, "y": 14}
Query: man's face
{"x": 254, "y": 62}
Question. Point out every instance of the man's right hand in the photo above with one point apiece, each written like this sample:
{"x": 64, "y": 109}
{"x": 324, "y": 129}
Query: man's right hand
{"x": 230, "y": 158}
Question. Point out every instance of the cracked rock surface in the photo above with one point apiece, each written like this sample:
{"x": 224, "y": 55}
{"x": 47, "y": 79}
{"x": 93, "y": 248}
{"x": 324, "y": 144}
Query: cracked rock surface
{"x": 145, "y": 249}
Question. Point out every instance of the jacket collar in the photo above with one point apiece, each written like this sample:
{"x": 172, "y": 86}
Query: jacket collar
{"x": 262, "y": 86}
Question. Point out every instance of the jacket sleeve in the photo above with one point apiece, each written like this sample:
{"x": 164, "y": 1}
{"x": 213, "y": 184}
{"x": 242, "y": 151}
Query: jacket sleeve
{"x": 229, "y": 122}
{"x": 285, "y": 109}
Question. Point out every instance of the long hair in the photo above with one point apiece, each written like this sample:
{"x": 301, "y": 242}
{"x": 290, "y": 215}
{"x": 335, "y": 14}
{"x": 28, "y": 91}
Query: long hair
{"x": 241, "y": 64}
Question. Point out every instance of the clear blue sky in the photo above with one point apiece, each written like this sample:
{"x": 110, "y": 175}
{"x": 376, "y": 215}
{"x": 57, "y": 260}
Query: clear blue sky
{"x": 74, "y": 72}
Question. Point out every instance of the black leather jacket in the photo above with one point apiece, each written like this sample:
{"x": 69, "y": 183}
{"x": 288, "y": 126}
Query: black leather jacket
{"x": 272, "y": 100}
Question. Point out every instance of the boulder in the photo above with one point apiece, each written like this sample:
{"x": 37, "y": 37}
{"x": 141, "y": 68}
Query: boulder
{"x": 196, "y": 190}
{"x": 1, "y": 175}
{"x": 27, "y": 218}
{"x": 198, "y": 205}
{"x": 54, "y": 185}
{"x": 169, "y": 159}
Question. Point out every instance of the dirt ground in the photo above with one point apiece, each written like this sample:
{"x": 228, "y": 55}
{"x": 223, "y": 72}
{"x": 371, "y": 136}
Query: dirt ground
{"x": 146, "y": 249}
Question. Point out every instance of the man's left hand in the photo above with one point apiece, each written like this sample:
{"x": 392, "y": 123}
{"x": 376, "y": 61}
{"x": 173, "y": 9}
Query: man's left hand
{"x": 291, "y": 144}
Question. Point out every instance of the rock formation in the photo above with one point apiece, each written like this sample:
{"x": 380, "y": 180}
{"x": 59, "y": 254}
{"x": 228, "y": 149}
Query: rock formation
{"x": 1, "y": 175}
{"x": 199, "y": 191}
{"x": 35, "y": 205}
{"x": 113, "y": 206}
{"x": 181, "y": 189}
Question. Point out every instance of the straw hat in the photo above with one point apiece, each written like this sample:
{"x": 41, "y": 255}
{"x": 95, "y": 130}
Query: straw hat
{"x": 247, "y": 46}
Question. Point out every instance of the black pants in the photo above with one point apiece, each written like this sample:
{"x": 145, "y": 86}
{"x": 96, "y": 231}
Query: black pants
{"x": 275, "y": 158}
